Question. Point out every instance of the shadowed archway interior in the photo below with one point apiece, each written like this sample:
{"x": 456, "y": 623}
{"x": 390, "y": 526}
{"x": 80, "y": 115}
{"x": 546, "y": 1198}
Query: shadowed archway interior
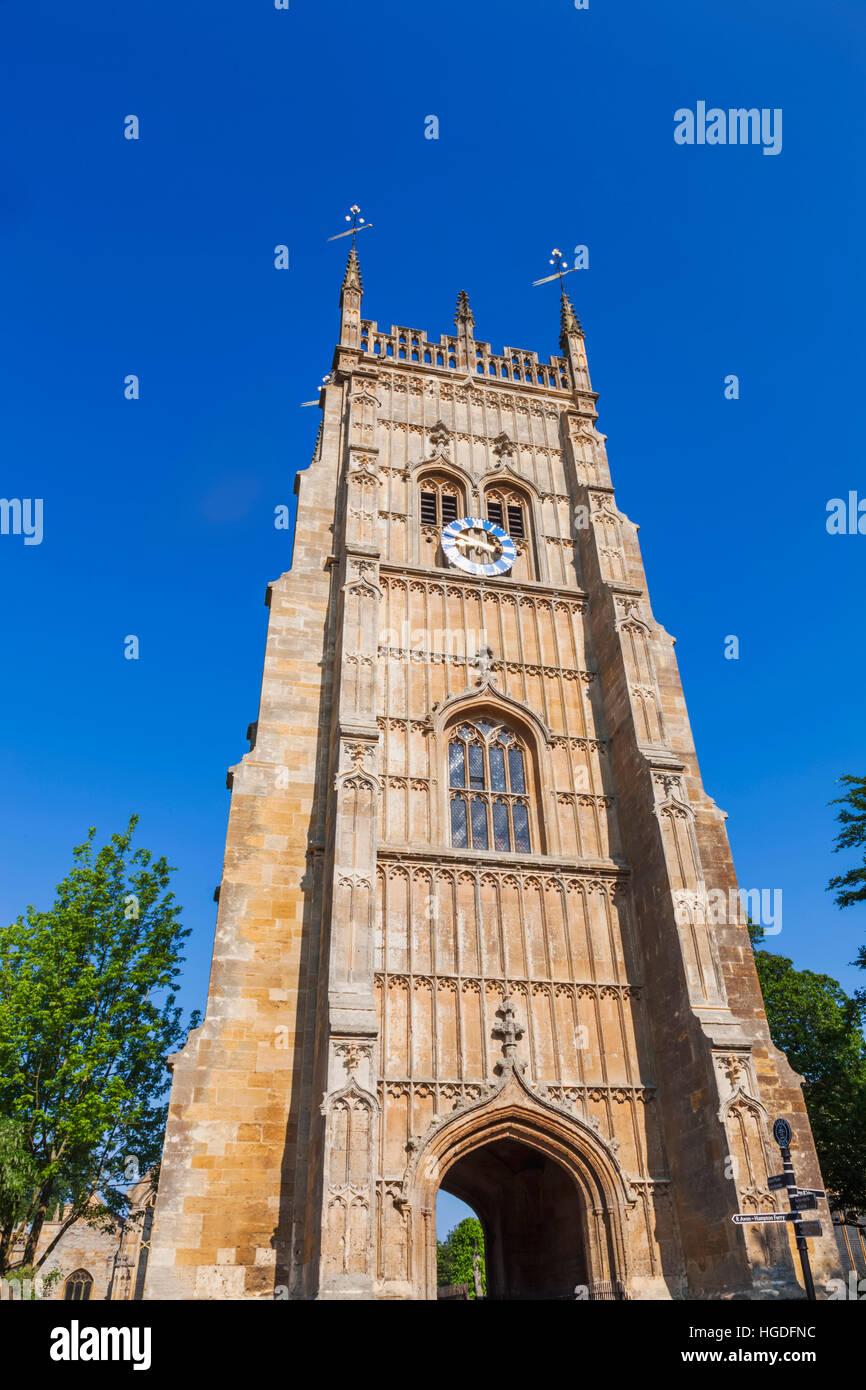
{"x": 533, "y": 1219}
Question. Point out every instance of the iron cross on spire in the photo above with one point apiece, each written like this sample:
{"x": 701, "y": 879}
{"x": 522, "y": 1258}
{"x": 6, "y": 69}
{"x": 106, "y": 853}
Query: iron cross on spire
{"x": 509, "y": 1030}
{"x": 358, "y": 225}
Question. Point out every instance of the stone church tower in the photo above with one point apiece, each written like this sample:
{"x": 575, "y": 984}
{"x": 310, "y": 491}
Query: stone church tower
{"x": 474, "y": 927}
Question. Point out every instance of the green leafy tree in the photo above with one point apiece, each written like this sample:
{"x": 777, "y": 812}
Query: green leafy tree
{"x": 820, "y": 1028}
{"x": 456, "y": 1253}
{"x": 87, "y": 1017}
{"x": 850, "y": 887}
{"x": 17, "y": 1173}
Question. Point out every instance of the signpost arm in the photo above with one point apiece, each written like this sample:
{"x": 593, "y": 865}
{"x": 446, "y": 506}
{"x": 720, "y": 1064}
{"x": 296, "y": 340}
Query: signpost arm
{"x": 802, "y": 1247}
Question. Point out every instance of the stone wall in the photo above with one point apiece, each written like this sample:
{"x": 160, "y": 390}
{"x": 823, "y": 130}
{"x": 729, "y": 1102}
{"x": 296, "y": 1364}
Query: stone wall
{"x": 388, "y": 999}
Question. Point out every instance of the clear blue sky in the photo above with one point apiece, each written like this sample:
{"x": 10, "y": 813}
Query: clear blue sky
{"x": 155, "y": 257}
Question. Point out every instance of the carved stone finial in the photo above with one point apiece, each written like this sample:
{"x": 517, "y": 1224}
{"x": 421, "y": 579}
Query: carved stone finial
{"x": 733, "y": 1067}
{"x": 352, "y": 1054}
{"x": 464, "y": 313}
{"x": 440, "y": 438}
{"x": 503, "y": 450}
{"x": 509, "y": 1030}
{"x": 352, "y": 278}
{"x": 569, "y": 322}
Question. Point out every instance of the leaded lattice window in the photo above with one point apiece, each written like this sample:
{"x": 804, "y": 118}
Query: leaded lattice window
{"x": 78, "y": 1286}
{"x": 488, "y": 788}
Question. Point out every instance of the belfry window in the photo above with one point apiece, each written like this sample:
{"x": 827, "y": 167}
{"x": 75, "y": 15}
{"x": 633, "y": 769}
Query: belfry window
{"x": 487, "y": 776}
{"x": 441, "y": 502}
{"x": 508, "y": 510}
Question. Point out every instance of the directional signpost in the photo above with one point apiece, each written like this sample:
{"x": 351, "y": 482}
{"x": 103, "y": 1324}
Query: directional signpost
{"x": 778, "y": 1180}
{"x": 809, "y": 1228}
{"x": 782, "y": 1135}
{"x": 743, "y": 1219}
{"x": 800, "y": 1198}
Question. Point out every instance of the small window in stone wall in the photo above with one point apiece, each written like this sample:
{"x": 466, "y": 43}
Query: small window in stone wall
{"x": 489, "y": 802}
{"x": 507, "y": 508}
{"x": 78, "y": 1286}
{"x": 441, "y": 502}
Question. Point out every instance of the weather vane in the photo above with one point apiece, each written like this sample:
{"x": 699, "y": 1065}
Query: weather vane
{"x": 358, "y": 225}
{"x": 560, "y": 272}
{"x": 326, "y": 381}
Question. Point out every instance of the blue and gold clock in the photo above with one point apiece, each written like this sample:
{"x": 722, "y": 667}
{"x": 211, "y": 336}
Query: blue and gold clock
{"x": 470, "y": 536}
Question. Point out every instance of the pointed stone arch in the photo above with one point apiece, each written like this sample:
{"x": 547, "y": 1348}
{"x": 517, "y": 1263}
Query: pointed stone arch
{"x": 350, "y": 1115}
{"x": 365, "y": 396}
{"x": 78, "y": 1286}
{"x": 486, "y": 700}
{"x": 442, "y": 474}
{"x": 439, "y": 463}
{"x": 740, "y": 1098}
{"x": 505, "y": 480}
{"x": 513, "y": 1112}
{"x": 507, "y": 474}
{"x": 486, "y": 694}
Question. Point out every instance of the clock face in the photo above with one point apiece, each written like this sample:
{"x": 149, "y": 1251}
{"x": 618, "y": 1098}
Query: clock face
{"x": 478, "y": 546}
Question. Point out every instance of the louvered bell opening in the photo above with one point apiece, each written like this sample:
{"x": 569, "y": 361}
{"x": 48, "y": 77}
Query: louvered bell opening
{"x": 494, "y": 513}
{"x": 449, "y": 508}
{"x": 428, "y": 509}
{"x": 515, "y": 521}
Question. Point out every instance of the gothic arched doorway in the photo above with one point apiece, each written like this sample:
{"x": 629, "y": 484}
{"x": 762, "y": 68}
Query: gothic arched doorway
{"x": 533, "y": 1219}
{"x": 547, "y": 1189}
